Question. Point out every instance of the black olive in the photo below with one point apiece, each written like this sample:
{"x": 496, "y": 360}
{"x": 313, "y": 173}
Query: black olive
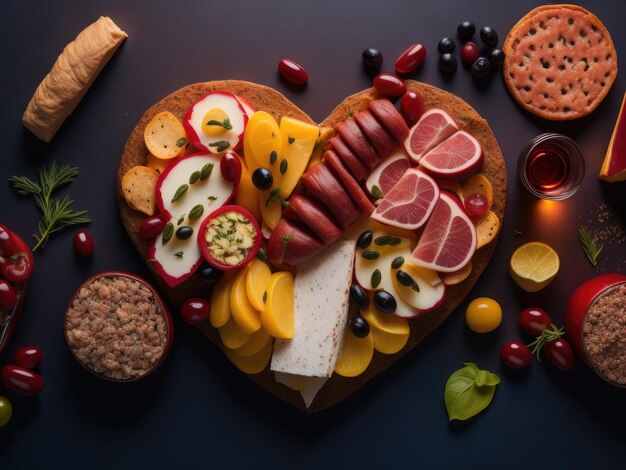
{"x": 209, "y": 275}
{"x": 480, "y": 68}
{"x": 447, "y": 62}
{"x": 446, "y": 45}
{"x": 262, "y": 178}
{"x": 385, "y": 302}
{"x": 359, "y": 297}
{"x": 489, "y": 36}
{"x": 466, "y": 30}
{"x": 359, "y": 327}
{"x": 365, "y": 239}
{"x": 404, "y": 278}
{"x": 372, "y": 57}
{"x": 496, "y": 57}
{"x": 184, "y": 232}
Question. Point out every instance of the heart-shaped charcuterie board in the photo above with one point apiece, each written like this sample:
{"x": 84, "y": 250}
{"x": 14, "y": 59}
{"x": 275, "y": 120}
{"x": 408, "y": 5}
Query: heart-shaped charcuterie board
{"x": 269, "y": 100}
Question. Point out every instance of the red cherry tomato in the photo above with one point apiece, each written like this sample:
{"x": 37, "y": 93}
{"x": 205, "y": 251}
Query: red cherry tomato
{"x": 151, "y": 227}
{"x": 293, "y": 72}
{"x": 411, "y": 59}
{"x": 28, "y": 357}
{"x": 534, "y": 320}
{"x": 17, "y": 267}
{"x": 83, "y": 244}
{"x": 469, "y": 53}
{"x": 8, "y": 296}
{"x": 194, "y": 311}
{"x": 412, "y": 106}
{"x": 8, "y": 244}
{"x": 389, "y": 84}
{"x": 21, "y": 380}
{"x": 559, "y": 353}
{"x": 476, "y": 205}
{"x": 230, "y": 166}
{"x": 516, "y": 355}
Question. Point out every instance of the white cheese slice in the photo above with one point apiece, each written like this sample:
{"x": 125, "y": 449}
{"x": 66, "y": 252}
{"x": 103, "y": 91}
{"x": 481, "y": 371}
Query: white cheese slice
{"x": 321, "y": 301}
{"x": 307, "y": 386}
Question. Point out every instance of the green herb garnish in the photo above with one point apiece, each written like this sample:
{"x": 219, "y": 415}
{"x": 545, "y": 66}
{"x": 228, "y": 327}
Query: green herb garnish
{"x": 225, "y": 123}
{"x": 274, "y": 196}
{"x": 370, "y": 254}
{"x": 589, "y": 246}
{"x": 469, "y": 391}
{"x": 318, "y": 144}
{"x": 221, "y": 145}
{"x": 206, "y": 171}
{"x": 291, "y": 140}
{"x": 286, "y": 239}
{"x": 397, "y": 262}
{"x": 178, "y": 254}
{"x": 195, "y": 176}
{"x": 283, "y": 166}
{"x": 273, "y": 157}
{"x": 168, "y": 231}
{"x": 212, "y": 198}
{"x": 376, "y": 192}
{"x": 182, "y": 189}
{"x": 180, "y": 220}
{"x": 376, "y": 278}
{"x": 262, "y": 254}
{"x": 180, "y": 142}
{"x": 56, "y": 213}
{"x": 196, "y": 212}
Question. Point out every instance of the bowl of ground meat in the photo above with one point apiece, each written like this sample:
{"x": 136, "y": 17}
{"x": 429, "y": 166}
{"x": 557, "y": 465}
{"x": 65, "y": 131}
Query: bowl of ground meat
{"x": 595, "y": 321}
{"x": 118, "y": 327}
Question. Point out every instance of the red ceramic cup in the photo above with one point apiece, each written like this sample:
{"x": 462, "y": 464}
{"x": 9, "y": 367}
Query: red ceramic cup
{"x": 578, "y": 308}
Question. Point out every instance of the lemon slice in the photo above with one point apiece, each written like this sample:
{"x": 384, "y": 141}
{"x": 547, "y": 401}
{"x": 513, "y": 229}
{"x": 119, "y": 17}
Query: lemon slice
{"x": 534, "y": 265}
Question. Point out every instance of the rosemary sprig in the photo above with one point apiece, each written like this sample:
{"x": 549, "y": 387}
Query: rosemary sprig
{"x": 589, "y": 246}
{"x": 57, "y": 214}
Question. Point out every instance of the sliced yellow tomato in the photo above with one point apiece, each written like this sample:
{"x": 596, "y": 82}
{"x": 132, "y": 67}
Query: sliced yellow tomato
{"x": 232, "y": 337}
{"x": 278, "y": 315}
{"x": 298, "y": 142}
{"x": 247, "y": 195}
{"x": 256, "y": 283}
{"x": 220, "y": 301}
{"x": 355, "y": 356}
{"x": 255, "y": 343}
{"x": 262, "y": 137}
{"x": 251, "y": 364}
{"x": 388, "y": 343}
{"x": 271, "y": 209}
{"x": 391, "y": 324}
{"x": 245, "y": 315}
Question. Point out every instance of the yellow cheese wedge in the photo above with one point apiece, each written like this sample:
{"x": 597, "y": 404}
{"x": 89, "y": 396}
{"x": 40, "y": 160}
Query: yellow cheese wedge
{"x": 254, "y": 364}
{"x": 245, "y": 315}
{"x": 298, "y": 142}
{"x": 356, "y": 355}
{"x": 614, "y": 165}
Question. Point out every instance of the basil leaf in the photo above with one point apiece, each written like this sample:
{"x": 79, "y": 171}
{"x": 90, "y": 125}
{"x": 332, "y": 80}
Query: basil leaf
{"x": 469, "y": 391}
{"x": 376, "y": 192}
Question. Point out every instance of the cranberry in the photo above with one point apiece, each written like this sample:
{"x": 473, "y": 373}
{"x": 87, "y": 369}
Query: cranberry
{"x": 480, "y": 68}
{"x": 469, "y": 53}
{"x": 516, "y": 355}
{"x": 446, "y": 45}
{"x": 476, "y": 205}
{"x": 412, "y": 106}
{"x": 466, "y": 30}
{"x": 83, "y": 244}
{"x": 389, "y": 84}
{"x": 230, "y": 167}
{"x": 447, "y": 62}
{"x": 496, "y": 57}
{"x": 489, "y": 36}
{"x": 151, "y": 227}
{"x": 21, "y": 380}
{"x": 293, "y": 72}
{"x": 411, "y": 59}
{"x": 194, "y": 311}
{"x": 8, "y": 297}
{"x": 28, "y": 357}
{"x": 372, "y": 57}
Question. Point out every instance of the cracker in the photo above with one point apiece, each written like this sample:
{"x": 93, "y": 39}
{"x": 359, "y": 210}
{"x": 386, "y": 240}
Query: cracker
{"x": 165, "y": 136}
{"x": 138, "y": 187}
{"x": 487, "y": 228}
{"x": 560, "y": 62}
{"x": 456, "y": 277}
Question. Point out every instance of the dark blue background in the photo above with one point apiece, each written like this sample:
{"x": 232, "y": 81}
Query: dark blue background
{"x": 197, "y": 410}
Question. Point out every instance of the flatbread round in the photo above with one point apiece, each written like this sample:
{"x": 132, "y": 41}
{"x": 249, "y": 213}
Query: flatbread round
{"x": 560, "y": 62}
{"x": 267, "y": 99}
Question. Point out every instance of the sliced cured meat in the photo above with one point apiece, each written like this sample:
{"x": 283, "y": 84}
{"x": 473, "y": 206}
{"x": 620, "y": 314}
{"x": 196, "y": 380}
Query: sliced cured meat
{"x": 358, "y": 143}
{"x": 322, "y": 184}
{"x": 292, "y": 243}
{"x": 434, "y": 127}
{"x": 449, "y": 238}
{"x": 388, "y": 173}
{"x": 354, "y": 189}
{"x": 391, "y": 118}
{"x": 456, "y": 157}
{"x": 349, "y": 159}
{"x": 410, "y": 202}
{"x": 378, "y": 136}
{"x": 313, "y": 214}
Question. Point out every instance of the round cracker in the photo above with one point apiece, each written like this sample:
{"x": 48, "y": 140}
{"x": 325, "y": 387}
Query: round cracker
{"x": 560, "y": 62}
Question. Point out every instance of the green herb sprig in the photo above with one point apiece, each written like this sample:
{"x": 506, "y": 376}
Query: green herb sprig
{"x": 590, "y": 246}
{"x": 469, "y": 391}
{"x": 57, "y": 214}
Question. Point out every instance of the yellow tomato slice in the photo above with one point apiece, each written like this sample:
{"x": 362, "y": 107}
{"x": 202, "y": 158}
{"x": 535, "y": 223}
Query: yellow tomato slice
{"x": 245, "y": 315}
{"x": 220, "y": 301}
{"x": 252, "y": 364}
{"x": 232, "y": 337}
{"x": 256, "y": 283}
{"x": 278, "y": 315}
{"x": 356, "y": 355}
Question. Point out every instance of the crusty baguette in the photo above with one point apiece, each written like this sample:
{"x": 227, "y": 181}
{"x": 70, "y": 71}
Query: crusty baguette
{"x": 71, "y": 76}
{"x": 267, "y": 99}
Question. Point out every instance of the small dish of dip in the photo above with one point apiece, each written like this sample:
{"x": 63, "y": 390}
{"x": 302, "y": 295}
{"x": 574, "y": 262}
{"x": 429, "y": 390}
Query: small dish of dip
{"x": 118, "y": 327}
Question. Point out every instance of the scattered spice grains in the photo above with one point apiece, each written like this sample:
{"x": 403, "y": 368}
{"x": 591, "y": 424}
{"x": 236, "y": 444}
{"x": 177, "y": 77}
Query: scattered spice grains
{"x": 115, "y": 326}
{"x": 604, "y": 334}
{"x": 607, "y": 226}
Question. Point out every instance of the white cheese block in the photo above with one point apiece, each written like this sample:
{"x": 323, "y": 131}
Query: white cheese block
{"x": 321, "y": 301}
{"x": 307, "y": 386}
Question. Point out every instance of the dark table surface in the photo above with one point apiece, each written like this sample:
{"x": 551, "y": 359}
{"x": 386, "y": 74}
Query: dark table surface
{"x": 197, "y": 410}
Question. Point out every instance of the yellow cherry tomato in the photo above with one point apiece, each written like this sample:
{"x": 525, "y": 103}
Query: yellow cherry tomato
{"x": 483, "y": 315}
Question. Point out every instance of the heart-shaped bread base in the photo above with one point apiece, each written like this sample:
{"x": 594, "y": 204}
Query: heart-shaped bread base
{"x": 267, "y": 99}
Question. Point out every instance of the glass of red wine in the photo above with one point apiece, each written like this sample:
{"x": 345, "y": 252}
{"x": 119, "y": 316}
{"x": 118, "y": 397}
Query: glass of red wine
{"x": 551, "y": 166}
